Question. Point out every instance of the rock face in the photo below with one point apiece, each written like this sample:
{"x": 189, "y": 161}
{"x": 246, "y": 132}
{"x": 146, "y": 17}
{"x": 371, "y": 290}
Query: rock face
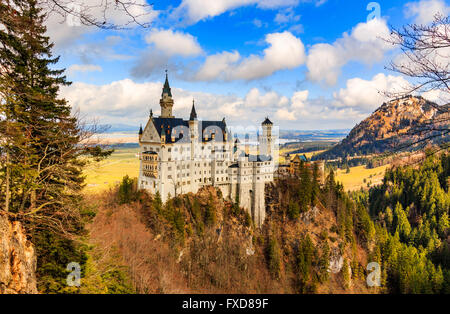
{"x": 17, "y": 259}
{"x": 394, "y": 124}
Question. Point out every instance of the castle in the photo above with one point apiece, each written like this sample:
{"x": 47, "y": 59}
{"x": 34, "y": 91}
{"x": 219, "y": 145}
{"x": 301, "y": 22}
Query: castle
{"x": 180, "y": 156}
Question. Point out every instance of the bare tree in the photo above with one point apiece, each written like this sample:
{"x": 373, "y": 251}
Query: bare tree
{"x": 425, "y": 59}
{"x": 426, "y": 54}
{"x": 105, "y": 14}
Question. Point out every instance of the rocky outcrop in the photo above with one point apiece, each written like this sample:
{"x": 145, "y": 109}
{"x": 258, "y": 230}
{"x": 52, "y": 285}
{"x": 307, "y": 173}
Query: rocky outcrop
{"x": 17, "y": 259}
{"x": 397, "y": 123}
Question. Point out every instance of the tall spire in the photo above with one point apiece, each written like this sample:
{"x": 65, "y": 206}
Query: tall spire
{"x": 193, "y": 112}
{"x": 166, "y": 88}
{"x": 166, "y": 101}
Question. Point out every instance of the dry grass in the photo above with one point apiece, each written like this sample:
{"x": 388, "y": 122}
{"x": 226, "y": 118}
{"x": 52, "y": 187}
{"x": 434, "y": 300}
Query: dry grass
{"x": 360, "y": 176}
{"x": 106, "y": 174}
{"x": 118, "y": 232}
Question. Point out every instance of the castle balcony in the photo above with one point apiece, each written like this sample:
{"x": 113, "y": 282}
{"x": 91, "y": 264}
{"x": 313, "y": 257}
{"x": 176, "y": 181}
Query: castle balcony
{"x": 149, "y": 161}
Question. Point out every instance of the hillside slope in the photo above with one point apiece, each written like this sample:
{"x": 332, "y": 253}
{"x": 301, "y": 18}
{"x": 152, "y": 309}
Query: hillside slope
{"x": 201, "y": 243}
{"x": 392, "y": 126}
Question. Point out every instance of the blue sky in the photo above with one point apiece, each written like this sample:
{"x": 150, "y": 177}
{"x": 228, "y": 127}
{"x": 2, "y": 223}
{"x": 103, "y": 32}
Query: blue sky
{"x": 307, "y": 64}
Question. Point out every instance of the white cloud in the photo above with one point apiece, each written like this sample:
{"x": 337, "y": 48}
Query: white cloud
{"x": 286, "y": 16}
{"x": 216, "y": 65}
{"x": 174, "y": 43}
{"x": 83, "y": 68}
{"x": 364, "y": 44}
{"x": 299, "y": 99}
{"x": 197, "y": 10}
{"x": 424, "y": 11}
{"x": 285, "y": 115}
{"x": 367, "y": 95}
{"x": 285, "y": 52}
{"x": 255, "y": 99}
{"x": 127, "y": 102}
{"x": 437, "y": 96}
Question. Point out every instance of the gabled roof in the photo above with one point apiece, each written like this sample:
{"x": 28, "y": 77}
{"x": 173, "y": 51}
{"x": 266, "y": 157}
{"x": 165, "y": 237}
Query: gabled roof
{"x": 299, "y": 158}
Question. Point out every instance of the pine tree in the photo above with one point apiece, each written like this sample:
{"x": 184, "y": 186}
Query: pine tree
{"x": 305, "y": 189}
{"x": 315, "y": 188}
{"x": 41, "y": 135}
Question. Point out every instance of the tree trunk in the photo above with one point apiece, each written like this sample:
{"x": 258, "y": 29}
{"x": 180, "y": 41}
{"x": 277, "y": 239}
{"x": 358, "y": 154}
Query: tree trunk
{"x": 8, "y": 175}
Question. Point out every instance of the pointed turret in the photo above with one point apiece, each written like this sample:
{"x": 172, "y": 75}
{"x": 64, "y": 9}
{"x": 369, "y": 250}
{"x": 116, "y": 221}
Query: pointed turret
{"x": 267, "y": 122}
{"x": 166, "y": 101}
{"x": 193, "y": 115}
{"x": 140, "y": 132}
{"x": 166, "y": 89}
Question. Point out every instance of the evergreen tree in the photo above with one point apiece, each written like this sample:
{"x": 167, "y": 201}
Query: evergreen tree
{"x": 315, "y": 188}
{"x": 41, "y": 135}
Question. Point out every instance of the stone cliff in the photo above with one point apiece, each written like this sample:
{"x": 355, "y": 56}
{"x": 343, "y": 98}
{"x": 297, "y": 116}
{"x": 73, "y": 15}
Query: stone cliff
{"x": 17, "y": 259}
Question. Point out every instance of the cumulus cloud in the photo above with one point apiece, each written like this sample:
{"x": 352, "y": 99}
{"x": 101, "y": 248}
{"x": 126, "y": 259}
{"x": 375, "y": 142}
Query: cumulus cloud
{"x": 285, "y": 52}
{"x": 367, "y": 95}
{"x": 284, "y": 114}
{"x": 174, "y": 43}
{"x": 299, "y": 99}
{"x": 254, "y": 98}
{"x": 83, "y": 68}
{"x": 129, "y": 102}
{"x": 364, "y": 44}
{"x": 424, "y": 11}
{"x": 437, "y": 96}
{"x": 164, "y": 46}
{"x": 197, "y": 10}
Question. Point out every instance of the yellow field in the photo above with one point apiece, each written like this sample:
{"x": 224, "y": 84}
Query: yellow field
{"x": 100, "y": 176}
{"x": 355, "y": 179}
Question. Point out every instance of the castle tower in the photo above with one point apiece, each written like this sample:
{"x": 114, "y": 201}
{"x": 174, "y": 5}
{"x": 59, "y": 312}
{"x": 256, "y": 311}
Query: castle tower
{"x": 193, "y": 130}
{"x": 166, "y": 101}
{"x": 266, "y": 140}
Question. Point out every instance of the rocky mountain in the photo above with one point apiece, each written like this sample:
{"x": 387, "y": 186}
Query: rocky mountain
{"x": 394, "y": 126}
{"x": 17, "y": 259}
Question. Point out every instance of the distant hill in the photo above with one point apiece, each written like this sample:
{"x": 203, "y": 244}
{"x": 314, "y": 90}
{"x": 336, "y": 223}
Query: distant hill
{"x": 392, "y": 126}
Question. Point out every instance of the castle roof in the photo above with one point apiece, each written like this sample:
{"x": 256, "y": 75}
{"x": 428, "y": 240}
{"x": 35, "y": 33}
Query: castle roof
{"x": 193, "y": 115}
{"x": 165, "y": 126}
{"x": 267, "y": 122}
{"x": 166, "y": 88}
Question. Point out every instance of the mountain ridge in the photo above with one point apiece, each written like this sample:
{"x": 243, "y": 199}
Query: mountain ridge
{"x": 396, "y": 124}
